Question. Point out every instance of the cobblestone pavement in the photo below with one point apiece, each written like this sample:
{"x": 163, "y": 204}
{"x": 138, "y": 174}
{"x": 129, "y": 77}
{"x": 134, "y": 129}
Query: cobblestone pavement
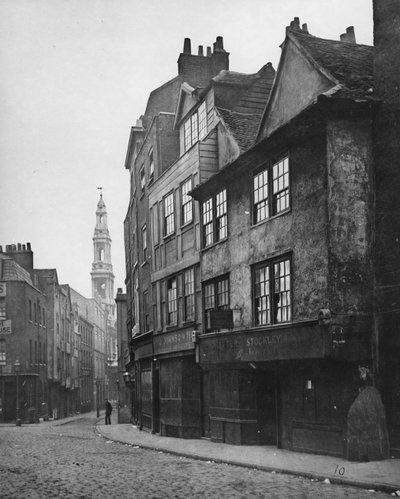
{"x": 73, "y": 461}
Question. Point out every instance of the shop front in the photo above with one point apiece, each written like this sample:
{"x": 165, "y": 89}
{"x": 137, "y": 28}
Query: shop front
{"x": 284, "y": 385}
{"x": 177, "y": 381}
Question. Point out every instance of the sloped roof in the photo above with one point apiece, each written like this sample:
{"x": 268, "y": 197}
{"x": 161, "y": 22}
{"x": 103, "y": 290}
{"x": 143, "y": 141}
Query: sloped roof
{"x": 14, "y": 272}
{"x": 234, "y": 78}
{"x": 243, "y": 127}
{"x": 349, "y": 63}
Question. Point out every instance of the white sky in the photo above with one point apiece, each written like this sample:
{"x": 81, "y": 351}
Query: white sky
{"x": 75, "y": 76}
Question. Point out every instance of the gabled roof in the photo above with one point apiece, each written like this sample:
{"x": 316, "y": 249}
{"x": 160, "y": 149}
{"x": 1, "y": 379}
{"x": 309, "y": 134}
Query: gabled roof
{"x": 242, "y": 127}
{"x": 312, "y": 67}
{"x": 350, "y": 64}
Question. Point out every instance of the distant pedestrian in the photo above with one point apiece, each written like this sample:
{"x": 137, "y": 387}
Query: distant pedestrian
{"x": 108, "y": 412}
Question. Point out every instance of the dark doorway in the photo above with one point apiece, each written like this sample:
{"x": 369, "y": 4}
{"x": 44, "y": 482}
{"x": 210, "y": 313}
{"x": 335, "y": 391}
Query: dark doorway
{"x": 267, "y": 404}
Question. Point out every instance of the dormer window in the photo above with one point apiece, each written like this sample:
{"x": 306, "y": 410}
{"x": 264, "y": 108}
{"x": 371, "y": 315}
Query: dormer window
{"x": 195, "y": 127}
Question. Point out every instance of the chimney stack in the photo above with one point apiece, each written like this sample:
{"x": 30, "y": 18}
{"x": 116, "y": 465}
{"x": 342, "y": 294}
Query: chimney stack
{"x": 198, "y": 70}
{"x": 349, "y": 36}
{"x": 187, "y": 48}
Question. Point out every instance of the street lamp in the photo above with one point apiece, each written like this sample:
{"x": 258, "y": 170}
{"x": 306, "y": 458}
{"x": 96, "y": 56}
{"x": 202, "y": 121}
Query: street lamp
{"x": 117, "y": 381}
{"x": 17, "y": 365}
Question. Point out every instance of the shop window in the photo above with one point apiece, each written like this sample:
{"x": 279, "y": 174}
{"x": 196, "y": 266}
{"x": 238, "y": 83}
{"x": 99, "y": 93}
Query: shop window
{"x": 216, "y": 297}
{"x": 169, "y": 215}
{"x": 215, "y": 219}
{"x": 195, "y": 127}
{"x": 271, "y": 191}
{"x": 146, "y": 311}
{"x": 187, "y": 202}
{"x": 272, "y": 292}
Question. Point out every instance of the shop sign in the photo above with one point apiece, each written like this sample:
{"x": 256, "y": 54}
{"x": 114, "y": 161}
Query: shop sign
{"x": 5, "y": 327}
{"x": 295, "y": 342}
{"x": 173, "y": 341}
{"x": 2, "y": 289}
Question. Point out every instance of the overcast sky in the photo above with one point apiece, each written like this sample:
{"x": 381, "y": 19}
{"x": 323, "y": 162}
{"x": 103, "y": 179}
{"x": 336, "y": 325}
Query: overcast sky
{"x": 75, "y": 76}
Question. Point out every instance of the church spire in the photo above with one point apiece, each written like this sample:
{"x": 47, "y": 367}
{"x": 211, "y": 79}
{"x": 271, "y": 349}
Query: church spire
{"x": 102, "y": 271}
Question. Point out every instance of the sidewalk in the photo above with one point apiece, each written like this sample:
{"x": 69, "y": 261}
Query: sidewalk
{"x": 377, "y": 475}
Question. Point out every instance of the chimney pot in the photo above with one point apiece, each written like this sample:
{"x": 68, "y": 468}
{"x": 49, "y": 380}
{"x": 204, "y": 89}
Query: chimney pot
{"x": 119, "y": 290}
{"x": 187, "y": 49}
{"x": 201, "y": 50}
{"x": 208, "y": 51}
{"x": 19, "y": 247}
{"x": 28, "y": 245}
{"x": 1, "y": 249}
{"x": 219, "y": 44}
{"x": 305, "y": 28}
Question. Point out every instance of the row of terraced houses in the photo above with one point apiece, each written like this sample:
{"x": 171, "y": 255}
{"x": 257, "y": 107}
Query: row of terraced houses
{"x": 262, "y": 247}
{"x": 58, "y": 349}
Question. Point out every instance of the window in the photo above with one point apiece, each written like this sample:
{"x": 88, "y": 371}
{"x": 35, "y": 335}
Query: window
{"x": 142, "y": 179}
{"x": 188, "y": 292}
{"x": 151, "y": 166}
{"x": 34, "y": 312}
{"x": 187, "y": 202}
{"x": 144, "y": 242}
{"x": 195, "y": 127}
{"x": 30, "y": 310}
{"x": 169, "y": 219}
{"x": 216, "y": 297}
{"x": 215, "y": 220}
{"x": 272, "y": 292}
{"x": 146, "y": 311}
{"x": 2, "y": 352}
{"x": 172, "y": 304}
{"x": 2, "y": 308}
{"x": 271, "y": 190}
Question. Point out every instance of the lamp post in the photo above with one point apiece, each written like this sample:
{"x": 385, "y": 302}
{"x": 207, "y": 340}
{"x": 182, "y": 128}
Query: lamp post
{"x": 117, "y": 381}
{"x": 16, "y": 369}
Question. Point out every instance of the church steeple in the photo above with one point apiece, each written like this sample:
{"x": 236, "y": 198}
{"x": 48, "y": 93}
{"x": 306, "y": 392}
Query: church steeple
{"x": 102, "y": 271}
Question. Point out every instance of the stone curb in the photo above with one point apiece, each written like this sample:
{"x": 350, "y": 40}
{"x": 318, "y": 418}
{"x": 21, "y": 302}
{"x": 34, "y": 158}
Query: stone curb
{"x": 381, "y": 487}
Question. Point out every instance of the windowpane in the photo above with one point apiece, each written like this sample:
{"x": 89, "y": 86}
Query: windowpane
{"x": 151, "y": 166}
{"x": 189, "y": 294}
{"x": 169, "y": 219}
{"x": 262, "y": 296}
{"x": 280, "y": 173}
{"x": 3, "y": 308}
{"x": 282, "y": 312}
{"x": 261, "y": 210}
{"x": 202, "y": 112}
{"x": 223, "y": 294}
{"x": 187, "y": 202}
{"x": 221, "y": 220}
{"x": 172, "y": 301}
{"x": 142, "y": 179}
{"x": 208, "y": 226}
{"x": 187, "y": 135}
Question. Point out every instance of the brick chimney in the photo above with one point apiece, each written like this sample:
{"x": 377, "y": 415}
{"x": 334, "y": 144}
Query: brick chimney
{"x": 197, "y": 70}
{"x": 22, "y": 254}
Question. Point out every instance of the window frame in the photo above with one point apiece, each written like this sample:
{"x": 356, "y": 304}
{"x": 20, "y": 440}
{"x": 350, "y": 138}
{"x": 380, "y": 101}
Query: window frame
{"x": 214, "y": 284}
{"x": 172, "y": 313}
{"x": 186, "y": 202}
{"x": 142, "y": 176}
{"x": 264, "y": 197}
{"x": 144, "y": 242}
{"x": 169, "y": 218}
{"x": 195, "y": 126}
{"x": 189, "y": 295}
{"x": 151, "y": 165}
{"x": 214, "y": 222}
{"x": 272, "y": 308}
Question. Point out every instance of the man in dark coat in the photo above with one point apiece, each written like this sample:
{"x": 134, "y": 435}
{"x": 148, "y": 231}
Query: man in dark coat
{"x": 108, "y": 412}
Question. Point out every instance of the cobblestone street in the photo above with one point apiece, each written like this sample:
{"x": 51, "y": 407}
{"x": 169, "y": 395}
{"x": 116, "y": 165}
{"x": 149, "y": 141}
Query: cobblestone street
{"x": 73, "y": 461}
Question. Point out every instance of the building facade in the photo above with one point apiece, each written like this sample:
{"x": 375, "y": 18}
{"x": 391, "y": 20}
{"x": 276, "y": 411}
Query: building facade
{"x": 262, "y": 266}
